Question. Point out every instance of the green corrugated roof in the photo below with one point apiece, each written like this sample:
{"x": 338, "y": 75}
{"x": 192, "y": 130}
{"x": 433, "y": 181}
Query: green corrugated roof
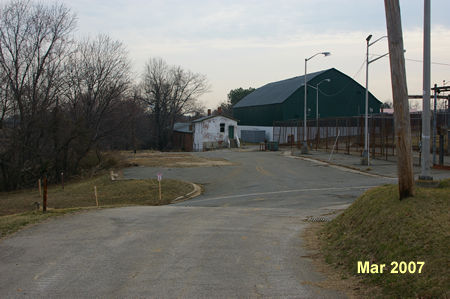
{"x": 275, "y": 92}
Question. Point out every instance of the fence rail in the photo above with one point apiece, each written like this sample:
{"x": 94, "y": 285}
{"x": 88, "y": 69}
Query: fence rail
{"x": 348, "y": 133}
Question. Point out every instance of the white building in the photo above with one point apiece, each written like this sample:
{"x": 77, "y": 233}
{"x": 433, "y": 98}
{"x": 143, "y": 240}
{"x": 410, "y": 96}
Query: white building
{"x": 215, "y": 131}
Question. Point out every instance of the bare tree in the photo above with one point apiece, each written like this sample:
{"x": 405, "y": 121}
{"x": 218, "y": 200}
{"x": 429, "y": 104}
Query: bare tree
{"x": 34, "y": 41}
{"x": 98, "y": 81}
{"x": 170, "y": 92}
{"x": 5, "y": 100}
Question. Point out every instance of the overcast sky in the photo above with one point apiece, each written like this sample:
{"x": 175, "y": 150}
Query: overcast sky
{"x": 251, "y": 43}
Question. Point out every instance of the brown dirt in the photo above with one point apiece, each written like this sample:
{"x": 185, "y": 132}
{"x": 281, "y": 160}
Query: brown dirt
{"x": 336, "y": 279}
{"x": 167, "y": 159}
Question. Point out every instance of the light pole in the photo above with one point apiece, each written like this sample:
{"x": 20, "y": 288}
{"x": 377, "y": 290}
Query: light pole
{"x": 304, "y": 149}
{"x": 317, "y": 99}
{"x": 365, "y": 155}
{"x": 425, "y": 158}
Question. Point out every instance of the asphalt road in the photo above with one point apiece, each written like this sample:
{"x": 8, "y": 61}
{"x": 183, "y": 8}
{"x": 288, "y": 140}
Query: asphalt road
{"x": 267, "y": 180}
{"x": 241, "y": 238}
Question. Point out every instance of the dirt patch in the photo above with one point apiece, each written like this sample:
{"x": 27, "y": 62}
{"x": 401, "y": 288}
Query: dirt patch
{"x": 165, "y": 159}
{"x": 336, "y": 279}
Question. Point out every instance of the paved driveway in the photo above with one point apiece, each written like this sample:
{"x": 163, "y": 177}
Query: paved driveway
{"x": 241, "y": 238}
{"x": 269, "y": 180}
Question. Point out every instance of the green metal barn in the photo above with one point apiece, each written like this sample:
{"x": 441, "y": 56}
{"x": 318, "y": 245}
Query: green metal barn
{"x": 340, "y": 96}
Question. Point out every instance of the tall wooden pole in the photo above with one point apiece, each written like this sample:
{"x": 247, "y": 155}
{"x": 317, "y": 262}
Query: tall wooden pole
{"x": 400, "y": 98}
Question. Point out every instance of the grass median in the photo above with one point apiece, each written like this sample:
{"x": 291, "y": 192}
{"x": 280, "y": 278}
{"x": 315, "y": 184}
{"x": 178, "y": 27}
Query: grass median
{"x": 18, "y": 209}
{"x": 381, "y": 229}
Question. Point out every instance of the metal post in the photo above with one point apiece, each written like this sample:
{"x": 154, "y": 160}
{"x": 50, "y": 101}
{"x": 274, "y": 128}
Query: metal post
{"x": 317, "y": 113}
{"x": 425, "y": 163}
{"x": 305, "y": 145}
{"x": 304, "y": 148}
{"x": 365, "y": 155}
{"x": 434, "y": 124}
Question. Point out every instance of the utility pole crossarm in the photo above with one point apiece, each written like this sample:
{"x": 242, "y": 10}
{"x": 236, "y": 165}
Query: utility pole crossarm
{"x": 379, "y": 57}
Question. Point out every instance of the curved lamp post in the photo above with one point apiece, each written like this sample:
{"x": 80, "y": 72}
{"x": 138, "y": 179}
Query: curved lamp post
{"x": 365, "y": 155}
{"x": 317, "y": 101}
{"x": 304, "y": 148}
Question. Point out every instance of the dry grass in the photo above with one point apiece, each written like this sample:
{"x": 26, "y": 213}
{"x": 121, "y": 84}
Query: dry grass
{"x": 335, "y": 278}
{"x": 168, "y": 159}
{"x": 18, "y": 209}
{"x": 380, "y": 228}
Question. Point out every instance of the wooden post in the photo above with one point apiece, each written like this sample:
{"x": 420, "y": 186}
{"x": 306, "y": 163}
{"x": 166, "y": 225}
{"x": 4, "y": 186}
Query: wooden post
{"x": 39, "y": 187}
{"x": 400, "y": 99}
{"x": 96, "y": 195}
{"x": 44, "y": 197}
{"x": 159, "y": 175}
{"x": 159, "y": 185}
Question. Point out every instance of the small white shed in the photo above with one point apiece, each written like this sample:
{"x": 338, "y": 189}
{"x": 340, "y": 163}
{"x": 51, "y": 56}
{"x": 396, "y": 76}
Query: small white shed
{"x": 215, "y": 131}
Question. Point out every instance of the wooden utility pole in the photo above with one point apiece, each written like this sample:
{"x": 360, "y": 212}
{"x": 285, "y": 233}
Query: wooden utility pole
{"x": 400, "y": 98}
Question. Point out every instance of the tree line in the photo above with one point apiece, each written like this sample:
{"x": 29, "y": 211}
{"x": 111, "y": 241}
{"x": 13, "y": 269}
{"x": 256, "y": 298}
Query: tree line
{"x": 63, "y": 99}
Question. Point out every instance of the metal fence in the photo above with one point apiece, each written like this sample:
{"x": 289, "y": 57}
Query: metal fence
{"x": 347, "y": 134}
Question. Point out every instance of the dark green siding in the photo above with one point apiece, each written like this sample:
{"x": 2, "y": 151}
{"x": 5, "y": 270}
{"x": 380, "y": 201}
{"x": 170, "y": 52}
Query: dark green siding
{"x": 342, "y": 97}
{"x": 339, "y": 98}
{"x": 258, "y": 115}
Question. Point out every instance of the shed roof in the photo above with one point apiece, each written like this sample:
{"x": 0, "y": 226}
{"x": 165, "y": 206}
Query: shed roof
{"x": 211, "y": 116}
{"x": 182, "y": 127}
{"x": 275, "y": 92}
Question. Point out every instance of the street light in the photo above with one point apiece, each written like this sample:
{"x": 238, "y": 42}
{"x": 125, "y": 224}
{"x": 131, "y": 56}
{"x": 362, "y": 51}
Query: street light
{"x": 304, "y": 148}
{"x": 317, "y": 100}
{"x": 365, "y": 155}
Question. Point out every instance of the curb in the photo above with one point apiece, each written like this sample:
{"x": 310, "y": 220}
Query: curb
{"x": 352, "y": 169}
{"x": 194, "y": 193}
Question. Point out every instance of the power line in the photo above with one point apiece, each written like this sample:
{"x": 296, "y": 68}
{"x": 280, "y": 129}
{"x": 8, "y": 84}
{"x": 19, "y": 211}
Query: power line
{"x": 438, "y": 63}
{"x": 418, "y": 60}
{"x": 354, "y": 76}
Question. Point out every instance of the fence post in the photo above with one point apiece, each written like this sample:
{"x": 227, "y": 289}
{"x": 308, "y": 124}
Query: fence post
{"x": 348, "y": 135}
{"x": 382, "y": 135}
{"x": 361, "y": 120}
{"x": 44, "y": 199}
{"x": 336, "y": 143}
{"x": 373, "y": 141}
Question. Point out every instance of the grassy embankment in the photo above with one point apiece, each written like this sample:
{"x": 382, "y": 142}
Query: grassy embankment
{"x": 381, "y": 229}
{"x": 17, "y": 209}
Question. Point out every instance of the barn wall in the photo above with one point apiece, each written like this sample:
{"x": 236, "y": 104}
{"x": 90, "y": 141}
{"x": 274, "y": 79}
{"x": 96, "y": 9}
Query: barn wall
{"x": 258, "y": 115}
{"x": 341, "y": 97}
